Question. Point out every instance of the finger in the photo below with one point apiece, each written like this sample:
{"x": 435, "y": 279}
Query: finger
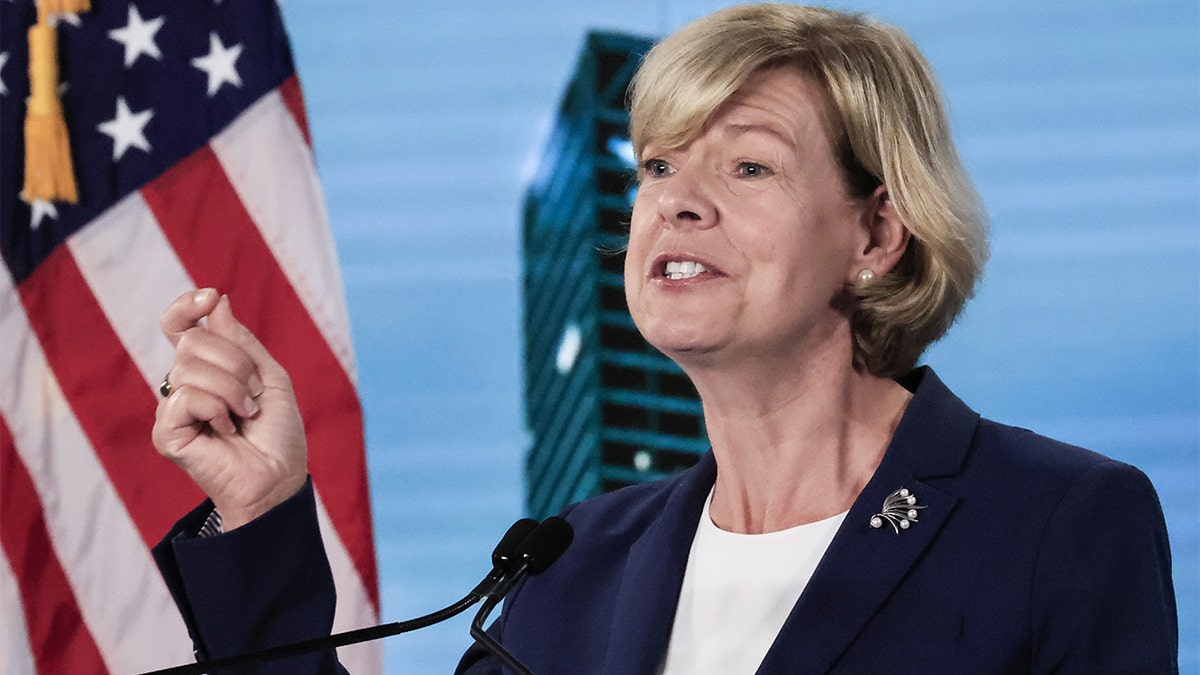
{"x": 222, "y": 323}
{"x": 183, "y": 416}
{"x": 186, "y": 311}
{"x": 190, "y": 372}
{"x": 209, "y": 361}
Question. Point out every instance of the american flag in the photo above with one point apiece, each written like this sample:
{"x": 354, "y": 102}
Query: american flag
{"x": 194, "y": 166}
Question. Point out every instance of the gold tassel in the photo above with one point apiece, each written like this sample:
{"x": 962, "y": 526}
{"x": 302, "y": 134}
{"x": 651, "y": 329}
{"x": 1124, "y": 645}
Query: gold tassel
{"x": 48, "y": 172}
{"x": 64, "y": 6}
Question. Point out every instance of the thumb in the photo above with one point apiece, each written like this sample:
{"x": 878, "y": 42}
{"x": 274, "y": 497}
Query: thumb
{"x": 186, "y": 312}
{"x": 223, "y": 324}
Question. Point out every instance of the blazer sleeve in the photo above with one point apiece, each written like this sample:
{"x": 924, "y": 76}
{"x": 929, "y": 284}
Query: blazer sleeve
{"x": 264, "y": 584}
{"x": 1103, "y": 600}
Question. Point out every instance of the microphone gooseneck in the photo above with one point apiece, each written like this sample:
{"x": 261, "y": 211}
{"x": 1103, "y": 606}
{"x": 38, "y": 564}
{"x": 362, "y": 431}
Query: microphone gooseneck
{"x": 534, "y": 555}
{"x": 508, "y": 558}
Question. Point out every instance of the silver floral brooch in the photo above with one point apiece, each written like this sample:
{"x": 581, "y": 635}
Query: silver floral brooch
{"x": 899, "y": 511}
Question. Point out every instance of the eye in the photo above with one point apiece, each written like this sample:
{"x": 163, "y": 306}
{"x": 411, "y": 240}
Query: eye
{"x": 656, "y": 168}
{"x": 752, "y": 170}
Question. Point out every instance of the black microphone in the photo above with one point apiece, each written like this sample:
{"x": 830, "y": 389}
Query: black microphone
{"x": 537, "y": 552}
{"x": 507, "y": 551}
{"x": 507, "y": 557}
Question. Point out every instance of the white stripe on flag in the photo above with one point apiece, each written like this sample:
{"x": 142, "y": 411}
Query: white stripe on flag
{"x": 116, "y": 584}
{"x": 101, "y": 251}
{"x": 353, "y": 606}
{"x": 271, "y": 167}
{"x": 15, "y": 654}
{"x": 134, "y": 274}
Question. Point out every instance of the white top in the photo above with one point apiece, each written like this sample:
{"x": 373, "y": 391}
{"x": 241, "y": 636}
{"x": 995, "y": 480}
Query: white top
{"x": 737, "y": 592}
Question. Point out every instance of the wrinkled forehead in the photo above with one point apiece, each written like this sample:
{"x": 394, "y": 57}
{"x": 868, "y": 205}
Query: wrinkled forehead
{"x": 673, "y": 114}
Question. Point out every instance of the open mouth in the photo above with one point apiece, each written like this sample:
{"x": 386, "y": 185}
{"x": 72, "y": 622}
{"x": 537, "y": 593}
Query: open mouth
{"x": 682, "y": 266}
{"x": 683, "y": 269}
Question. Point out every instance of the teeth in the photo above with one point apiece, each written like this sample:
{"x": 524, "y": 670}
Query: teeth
{"x": 684, "y": 269}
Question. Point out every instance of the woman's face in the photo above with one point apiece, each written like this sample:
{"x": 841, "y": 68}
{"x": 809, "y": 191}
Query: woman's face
{"x": 742, "y": 240}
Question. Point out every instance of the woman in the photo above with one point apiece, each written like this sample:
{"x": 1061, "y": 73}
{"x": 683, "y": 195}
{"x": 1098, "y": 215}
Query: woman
{"x": 802, "y": 231}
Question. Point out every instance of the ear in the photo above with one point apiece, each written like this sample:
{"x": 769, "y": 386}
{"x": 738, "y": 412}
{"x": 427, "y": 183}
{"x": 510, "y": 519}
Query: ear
{"x": 886, "y": 235}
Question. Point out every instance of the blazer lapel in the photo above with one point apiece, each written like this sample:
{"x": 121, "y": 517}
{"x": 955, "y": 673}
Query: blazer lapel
{"x": 863, "y": 565}
{"x": 649, "y": 591}
{"x": 856, "y": 576}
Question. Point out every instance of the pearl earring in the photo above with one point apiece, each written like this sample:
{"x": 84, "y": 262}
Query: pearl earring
{"x": 865, "y": 277}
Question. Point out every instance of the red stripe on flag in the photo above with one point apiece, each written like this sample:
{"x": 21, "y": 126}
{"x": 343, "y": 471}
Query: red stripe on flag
{"x": 58, "y": 637}
{"x": 220, "y": 246}
{"x": 110, "y": 399}
{"x": 293, "y": 98}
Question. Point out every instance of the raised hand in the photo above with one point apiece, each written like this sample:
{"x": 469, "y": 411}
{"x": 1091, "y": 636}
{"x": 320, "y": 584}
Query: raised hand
{"x": 230, "y": 420}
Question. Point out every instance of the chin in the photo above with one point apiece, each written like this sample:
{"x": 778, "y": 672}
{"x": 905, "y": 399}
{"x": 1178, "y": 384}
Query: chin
{"x": 680, "y": 340}
{"x": 681, "y": 328}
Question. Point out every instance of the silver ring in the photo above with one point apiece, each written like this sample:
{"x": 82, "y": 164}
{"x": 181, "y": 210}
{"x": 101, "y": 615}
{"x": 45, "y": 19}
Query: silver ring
{"x": 165, "y": 387}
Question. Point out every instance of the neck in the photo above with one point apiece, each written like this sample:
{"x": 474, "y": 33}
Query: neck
{"x": 794, "y": 443}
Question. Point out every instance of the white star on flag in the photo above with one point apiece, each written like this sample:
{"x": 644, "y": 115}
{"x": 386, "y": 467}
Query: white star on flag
{"x": 38, "y": 210}
{"x": 138, "y": 37}
{"x": 3, "y": 60}
{"x": 127, "y": 129}
{"x": 218, "y": 64}
{"x": 194, "y": 199}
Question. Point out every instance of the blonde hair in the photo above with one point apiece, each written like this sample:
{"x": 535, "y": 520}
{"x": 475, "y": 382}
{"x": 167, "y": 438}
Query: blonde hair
{"x": 889, "y": 127}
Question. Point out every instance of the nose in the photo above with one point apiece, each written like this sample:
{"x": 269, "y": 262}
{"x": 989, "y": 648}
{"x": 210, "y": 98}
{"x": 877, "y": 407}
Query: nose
{"x": 684, "y": 202}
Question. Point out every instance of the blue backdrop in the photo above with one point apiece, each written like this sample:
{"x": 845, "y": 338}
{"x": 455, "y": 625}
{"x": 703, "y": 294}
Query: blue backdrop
{"x": 1080, "y": 123}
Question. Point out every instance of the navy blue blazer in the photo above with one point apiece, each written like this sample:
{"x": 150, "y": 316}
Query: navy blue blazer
{"x": 1029, "y": 556}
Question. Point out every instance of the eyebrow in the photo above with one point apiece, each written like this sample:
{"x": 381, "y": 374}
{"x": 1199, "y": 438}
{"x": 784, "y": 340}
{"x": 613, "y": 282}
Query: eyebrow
{"x": 742, "y": 129}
